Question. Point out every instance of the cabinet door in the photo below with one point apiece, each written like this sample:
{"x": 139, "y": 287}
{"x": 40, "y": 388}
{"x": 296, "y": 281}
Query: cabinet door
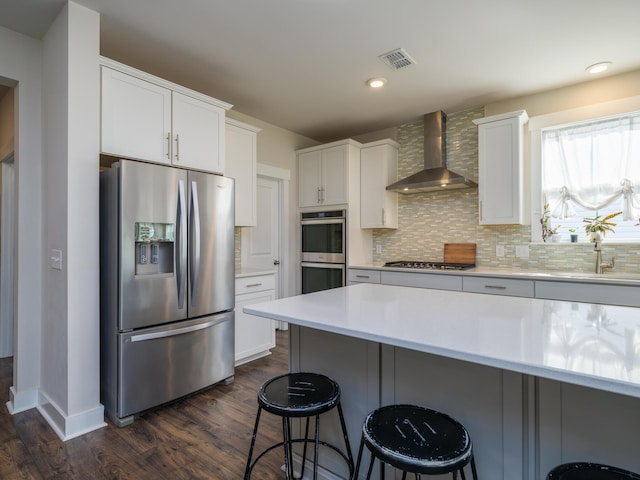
{"x": 136, "y": 118}
{"x": 334, "y": 176}
{"x": 240, "y": 164}
{"x": 254, "y": 336}
{"x": 198, "y": 134}
{"x": 378, "y": 168}
{"x": 500, "y": 185}
{"x": 309, "y": 168}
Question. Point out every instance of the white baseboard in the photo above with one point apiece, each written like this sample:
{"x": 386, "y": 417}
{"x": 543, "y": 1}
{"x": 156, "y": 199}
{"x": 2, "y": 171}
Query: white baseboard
{"x": 22, "y": 401}
{"x": 68, "y": 427}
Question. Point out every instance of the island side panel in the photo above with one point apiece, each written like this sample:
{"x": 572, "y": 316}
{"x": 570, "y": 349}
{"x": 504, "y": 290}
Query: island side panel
{"x": 584, "y": 424}
{"x": 354, "y": 364}
{"x": 489, "y": 402}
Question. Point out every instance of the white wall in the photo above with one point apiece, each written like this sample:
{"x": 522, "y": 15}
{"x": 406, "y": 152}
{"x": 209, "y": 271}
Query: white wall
{"x": 21, "y": 61}
{"x": 70, "y": 386}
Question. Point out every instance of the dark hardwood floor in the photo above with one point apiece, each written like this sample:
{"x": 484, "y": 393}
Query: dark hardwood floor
{"x": 204, "y": 436}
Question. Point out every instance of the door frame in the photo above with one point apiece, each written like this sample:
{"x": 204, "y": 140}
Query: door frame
{"x": 282, "y": 176}
{"x": 7, "y": 256}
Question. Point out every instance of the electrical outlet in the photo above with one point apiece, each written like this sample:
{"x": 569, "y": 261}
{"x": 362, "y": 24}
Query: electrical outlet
{"x": 522, "y": 251}
{"x": 499, "y": 250}
{"x": 378, "y": 248}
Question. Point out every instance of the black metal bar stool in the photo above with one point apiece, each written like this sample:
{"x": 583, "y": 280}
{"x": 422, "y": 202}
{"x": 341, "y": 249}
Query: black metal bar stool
{"x": 299, "y": 395}
{"x": 589, "y": 471}
{"x": 416, "y": 440}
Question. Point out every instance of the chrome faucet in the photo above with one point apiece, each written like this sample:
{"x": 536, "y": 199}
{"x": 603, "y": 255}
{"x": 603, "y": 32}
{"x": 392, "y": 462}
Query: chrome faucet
{"x": 600, "y": 264}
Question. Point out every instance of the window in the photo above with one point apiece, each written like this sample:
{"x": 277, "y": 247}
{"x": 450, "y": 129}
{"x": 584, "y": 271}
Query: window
{"x": 593, "y": 168}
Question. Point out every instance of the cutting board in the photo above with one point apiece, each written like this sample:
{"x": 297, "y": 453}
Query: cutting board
{"x": 460, "y": 253}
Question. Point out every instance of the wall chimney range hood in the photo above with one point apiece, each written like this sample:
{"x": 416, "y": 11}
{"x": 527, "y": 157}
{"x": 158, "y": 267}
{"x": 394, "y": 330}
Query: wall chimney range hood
{"x": 435, "y": 176}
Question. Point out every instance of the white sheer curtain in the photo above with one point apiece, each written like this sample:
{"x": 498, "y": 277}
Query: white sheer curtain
{"x": 593, "y": 165}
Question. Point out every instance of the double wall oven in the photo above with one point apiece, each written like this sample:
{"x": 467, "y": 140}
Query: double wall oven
{"x": 323, "y": 252}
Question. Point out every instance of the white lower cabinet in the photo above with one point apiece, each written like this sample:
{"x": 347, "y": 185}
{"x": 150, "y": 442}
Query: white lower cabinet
{"x": 625, "y": 295}
{"x": 436, "y": 281}
{"x": 356, "y": 275}
{"x": 498, "y": 286}
{"x": 254, "y": 337}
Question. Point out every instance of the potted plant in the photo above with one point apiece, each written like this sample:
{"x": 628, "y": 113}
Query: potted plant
{"x": 547, "y": 230}
{"x": 597, "y": 227}
{"x": 573, "y": 234}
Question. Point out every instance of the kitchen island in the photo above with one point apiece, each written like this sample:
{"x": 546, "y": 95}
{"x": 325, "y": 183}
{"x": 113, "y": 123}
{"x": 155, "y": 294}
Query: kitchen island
{"x": 536, "y": 382}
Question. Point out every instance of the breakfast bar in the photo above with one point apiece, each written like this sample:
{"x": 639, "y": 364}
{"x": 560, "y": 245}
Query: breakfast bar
{"x": 536, "y": 382}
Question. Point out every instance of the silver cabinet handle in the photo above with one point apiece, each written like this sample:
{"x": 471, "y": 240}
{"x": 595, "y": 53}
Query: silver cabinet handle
{"x": 177, "y": 147}
{"x": 169, "y": 146}
{"x": 496, "y": 287}
{"x": 251, "y": 285}
{"x": 383, "y": 219}
{"x": 319, "y": 197}
{"x": 363, "y": 276}
{"x": 180, "y": 249}
{"x": 194, "y": 231}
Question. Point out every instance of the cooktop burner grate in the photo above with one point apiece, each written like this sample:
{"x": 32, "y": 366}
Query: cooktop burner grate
{"x": 430, "y": 265}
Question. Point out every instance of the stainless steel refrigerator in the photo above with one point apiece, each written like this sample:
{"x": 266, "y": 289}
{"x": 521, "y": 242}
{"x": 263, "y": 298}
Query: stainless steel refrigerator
{"x": 167, "y": 285}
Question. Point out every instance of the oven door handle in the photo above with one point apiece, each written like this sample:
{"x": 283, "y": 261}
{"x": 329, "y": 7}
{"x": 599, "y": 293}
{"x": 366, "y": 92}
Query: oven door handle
{"x": 327, "y": 221}
{"x": 335, "y": 266}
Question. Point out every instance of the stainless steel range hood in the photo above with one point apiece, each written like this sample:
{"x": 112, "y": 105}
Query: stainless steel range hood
{"x": 435, "y": 176}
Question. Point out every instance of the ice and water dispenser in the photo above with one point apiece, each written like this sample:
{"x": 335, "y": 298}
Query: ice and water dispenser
{"x": 154, "y": 248}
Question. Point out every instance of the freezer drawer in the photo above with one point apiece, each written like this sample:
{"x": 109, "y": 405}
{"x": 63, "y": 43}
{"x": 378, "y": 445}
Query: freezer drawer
{"x": 160, "y": 364}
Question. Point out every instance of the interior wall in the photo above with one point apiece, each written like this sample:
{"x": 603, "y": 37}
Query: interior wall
{"x": 21, "y": 62}
{"x": 70, "y": 385}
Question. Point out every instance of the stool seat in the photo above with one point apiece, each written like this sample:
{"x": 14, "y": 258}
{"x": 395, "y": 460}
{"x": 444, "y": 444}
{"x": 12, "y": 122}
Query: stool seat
{"x": 416, "y": 440}
{"x": 299, "y": 394}
{"x": 590, "y": 471}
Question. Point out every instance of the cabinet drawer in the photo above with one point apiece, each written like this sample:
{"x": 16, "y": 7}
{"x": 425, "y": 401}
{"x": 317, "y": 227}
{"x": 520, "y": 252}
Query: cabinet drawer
{"x": 257, "y": 283}
{"x": 422, "y": 280}
{"x": 498, "y": 286}
{"x": 582, "y": 292}
{"x": 363, "y": 276}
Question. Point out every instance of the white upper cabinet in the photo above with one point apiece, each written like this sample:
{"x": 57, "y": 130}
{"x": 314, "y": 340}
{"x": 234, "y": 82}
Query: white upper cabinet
{"x": 241, "y": 155}
{"x": 136, "y": 118}
{"x": 378, "y": 168}
{"x": 500, "y": 169}
{"x": 198, "y": 134}
{"x": 147, "y": 118}
{"x": 324, "y": 173}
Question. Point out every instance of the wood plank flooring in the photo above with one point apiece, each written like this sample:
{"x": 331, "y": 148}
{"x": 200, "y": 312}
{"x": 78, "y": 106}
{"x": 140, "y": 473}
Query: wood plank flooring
{"x": 204, "y": 436}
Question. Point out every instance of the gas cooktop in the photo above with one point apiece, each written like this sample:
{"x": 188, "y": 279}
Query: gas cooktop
{"x": 430, "y": 265}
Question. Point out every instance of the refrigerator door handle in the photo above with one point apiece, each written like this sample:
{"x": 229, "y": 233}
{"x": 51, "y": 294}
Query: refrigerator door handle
{"x": 178, "y": 331}
{"x": 194, "y": 220}
{"x": 180, "y": 246}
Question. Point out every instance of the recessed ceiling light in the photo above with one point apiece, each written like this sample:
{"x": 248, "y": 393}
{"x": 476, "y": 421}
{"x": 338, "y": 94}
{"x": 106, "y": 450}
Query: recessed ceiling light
{"x": 598, "y": 67}
{"x": 377, "y": 82}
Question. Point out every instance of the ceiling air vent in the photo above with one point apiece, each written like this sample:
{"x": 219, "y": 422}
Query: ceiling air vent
{"x": 397, "y": 59}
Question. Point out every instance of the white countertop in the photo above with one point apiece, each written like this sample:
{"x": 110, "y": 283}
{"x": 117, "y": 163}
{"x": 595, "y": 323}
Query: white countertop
{"x": 612, "y": 278}
{"x": 586, "y": 344}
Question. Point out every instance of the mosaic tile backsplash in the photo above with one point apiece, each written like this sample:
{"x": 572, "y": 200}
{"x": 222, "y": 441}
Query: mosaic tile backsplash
{"x": 426, "y": 221}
